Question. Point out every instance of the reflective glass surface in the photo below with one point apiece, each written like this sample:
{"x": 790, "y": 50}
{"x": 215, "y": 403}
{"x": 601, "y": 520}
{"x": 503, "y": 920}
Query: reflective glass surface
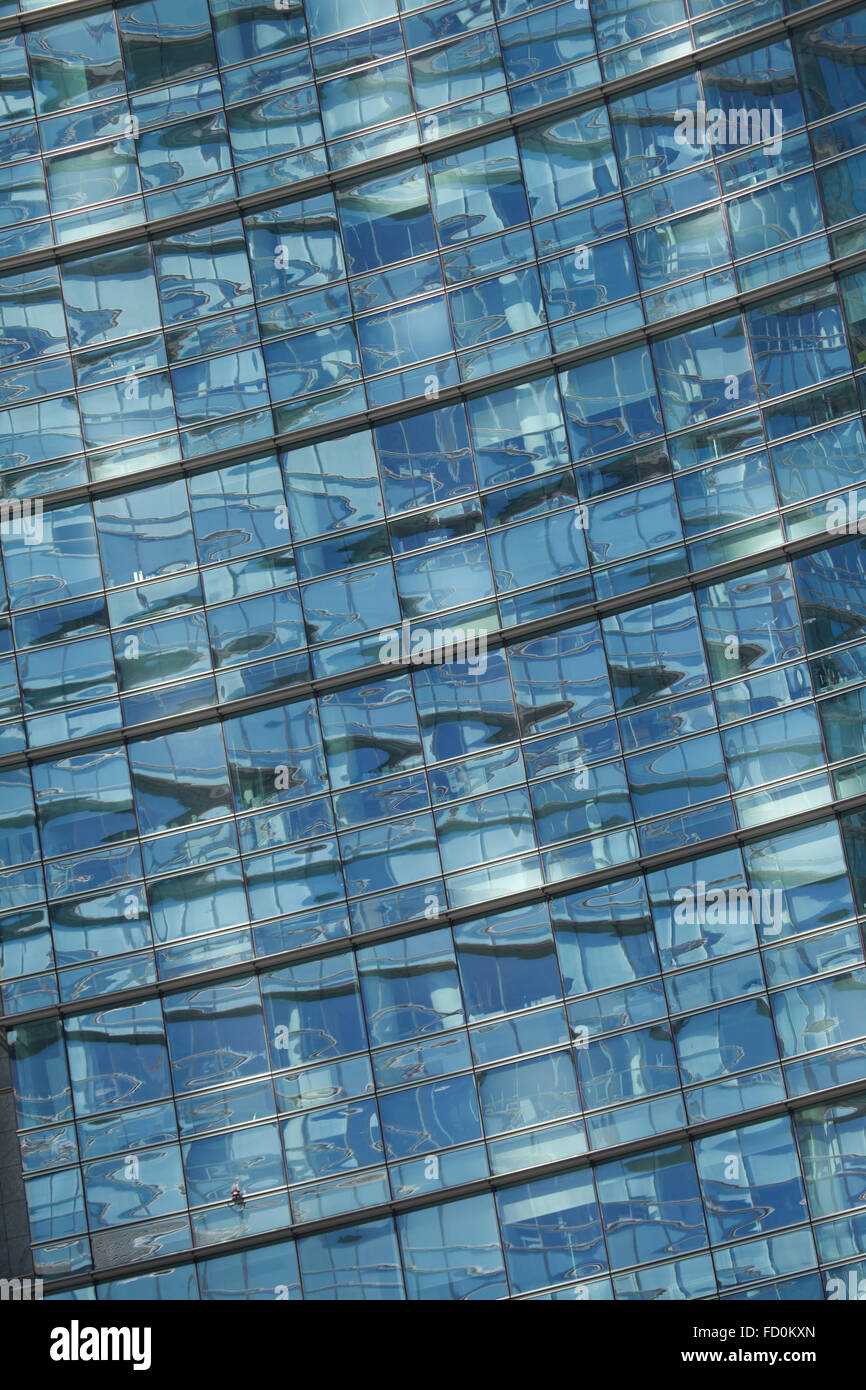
{"x": 433, "y": 647}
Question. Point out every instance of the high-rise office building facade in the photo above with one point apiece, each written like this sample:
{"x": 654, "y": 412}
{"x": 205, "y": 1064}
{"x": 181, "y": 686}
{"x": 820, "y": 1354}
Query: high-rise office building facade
{"x": 433, "y": 649}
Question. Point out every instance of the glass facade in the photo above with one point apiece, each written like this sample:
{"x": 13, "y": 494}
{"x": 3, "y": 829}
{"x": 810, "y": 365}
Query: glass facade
{"x": 433, "y": 648}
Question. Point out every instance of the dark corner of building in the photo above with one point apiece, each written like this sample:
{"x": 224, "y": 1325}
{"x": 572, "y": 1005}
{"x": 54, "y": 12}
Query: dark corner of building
{"x": 16, "y": 1259}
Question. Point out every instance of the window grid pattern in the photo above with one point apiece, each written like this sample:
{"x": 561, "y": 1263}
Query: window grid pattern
{"x": 403, "y": 284}
{"x": 412, "y": 1034}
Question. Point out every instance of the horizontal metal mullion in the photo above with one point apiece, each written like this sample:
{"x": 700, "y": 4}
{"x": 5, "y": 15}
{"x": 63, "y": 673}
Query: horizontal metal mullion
{"x": 499, "y": 637}
{"x": 493, "y": 1183}
{"x": 460, "y": 391}
{"x": 335, "y": 178}
{"x": 259, "y": 965}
